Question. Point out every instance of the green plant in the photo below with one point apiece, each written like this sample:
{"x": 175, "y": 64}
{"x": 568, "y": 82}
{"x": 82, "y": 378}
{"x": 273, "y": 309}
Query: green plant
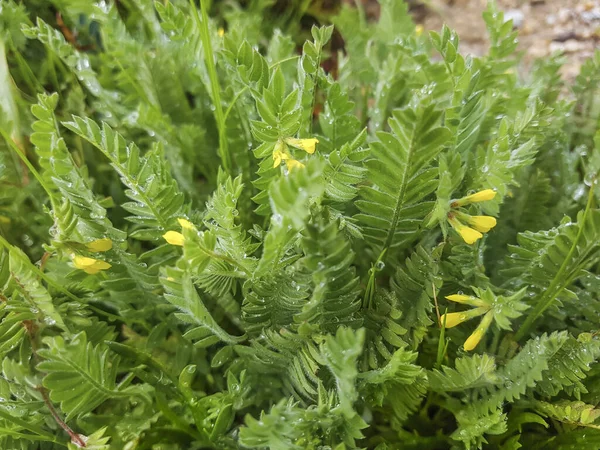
{"x": 209, "y": 241}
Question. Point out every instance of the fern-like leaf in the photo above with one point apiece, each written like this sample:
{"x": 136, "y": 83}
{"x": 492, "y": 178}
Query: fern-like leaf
{"x": 470, "y": 372}
{"x": 400, "y": 384}
{"x": 401, "y": 176}
{"x": 335, "y": 296}
{"x": 220, "y": 219}
{"x": 288, "y": 426}
{"x": 414, "y": 286}
{"x": 181, "y": 292}
{"x": 273, "y": 301}
{"x": 79, "y": 375}
{"x": 343, "y": 173}
{"x": 472, "y": 426}
{"x": 340, "y": 354}
{"x": 156, "y": 200}
{"x": 290, "y": 198}
{"x": 550, "y": 261}
{"x": 569, "y": 366}
{"x": 292, "y": 360}
{"x": 26, "y": 289}
{"x": 338, "y": 122}
{"x": 523, "y": 371}
{"x": 575, "y": 413}
{"x": 381, "y": 318}
{"x": 309, "y": 71}
{"x": 78, "y": 62}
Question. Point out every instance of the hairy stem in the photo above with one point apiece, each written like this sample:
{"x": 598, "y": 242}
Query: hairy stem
{"x": 75, "y": 437}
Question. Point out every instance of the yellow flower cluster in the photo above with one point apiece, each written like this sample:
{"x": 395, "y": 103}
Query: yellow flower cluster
{"x": 282, "y": 153}
{"x": 470, "y": 227}
{"x": 176, "y": 238}
{"x": 91, "y": 265}
{"x": 450, "y": 320}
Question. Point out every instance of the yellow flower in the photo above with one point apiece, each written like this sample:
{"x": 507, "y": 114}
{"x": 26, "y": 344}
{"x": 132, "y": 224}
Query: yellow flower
{"x": 485, "y": 305}
{"x": 308, "y": 145}
{"x": 453, "y": 319}
{"x": 174, "y": 238}
{"x": 465, "y": 299}
{"x": 99, "y": 245}
{"x": 293, "y": 164}
{"x": 481, "y": 196}
{"x": 459, "y": 298}
{"x": 221, "y": 32}
{"x": 481, "y": 223}
{"x": 89, "y": 265}
{"x": 280, "y": 153}
{"x": 476, "y": 224}
{"x": 419, "y": 30}
{"x": 185, "y": 224}
{"x": 473, "y": 340}
{"x": 279, "y": 156}
{"x": 469, "y": 235}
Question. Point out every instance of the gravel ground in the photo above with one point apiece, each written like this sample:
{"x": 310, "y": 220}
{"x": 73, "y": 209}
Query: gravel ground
{"x": 545, "y": 27}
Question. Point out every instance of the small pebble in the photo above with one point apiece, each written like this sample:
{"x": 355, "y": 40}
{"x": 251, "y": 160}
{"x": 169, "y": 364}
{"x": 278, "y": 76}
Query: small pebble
{"x": 517, "y": 17}
{"x": 570, "y": 46}
{"x": 563, "y": 15}
{"x": 592, "y": 15}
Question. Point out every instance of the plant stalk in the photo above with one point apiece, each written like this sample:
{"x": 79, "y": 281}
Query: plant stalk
{"x": 553, "y": 290}
{"x": 214, "y": 83}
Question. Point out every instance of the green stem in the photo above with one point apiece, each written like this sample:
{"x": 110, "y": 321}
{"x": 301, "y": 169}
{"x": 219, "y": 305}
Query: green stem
{"x": 370, "y": 289}
{"x": 53, "y": 76}
{"x": 141, "y": 357}
{"x": 442, "y": 344}
{"x": 41, "y": 435}
{"x": 29, "y": 78}
{"x": 32, "y": 169}
{"x": 275, "y": 64}
{"x": 29, "y": 437}
{"x": 315, "y": 87}
{"x": 75, "y": 438}
{"x": 214, "y": 83}
{"x": 179, "y": 423}
{"x": 234, "y": 101}
{"x": 361, "y": 13}
{"x": 552, "y": 292}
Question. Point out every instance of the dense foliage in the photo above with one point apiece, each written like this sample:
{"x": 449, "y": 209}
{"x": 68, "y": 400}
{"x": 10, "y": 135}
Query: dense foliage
{"x": 210, "y": 241}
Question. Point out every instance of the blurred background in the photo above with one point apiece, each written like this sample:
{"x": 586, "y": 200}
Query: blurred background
{"x": 545, "y": 26}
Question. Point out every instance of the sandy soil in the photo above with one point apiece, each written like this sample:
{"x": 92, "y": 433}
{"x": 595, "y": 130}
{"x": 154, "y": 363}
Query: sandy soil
{"x": 545, "y": 27}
